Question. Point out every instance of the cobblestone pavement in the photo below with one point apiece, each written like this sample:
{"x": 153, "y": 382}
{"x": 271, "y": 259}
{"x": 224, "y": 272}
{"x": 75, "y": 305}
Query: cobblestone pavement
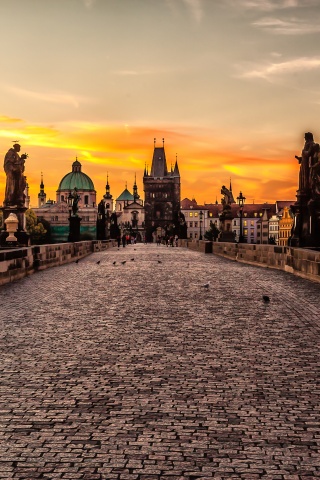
{"x": 136, "y": 371}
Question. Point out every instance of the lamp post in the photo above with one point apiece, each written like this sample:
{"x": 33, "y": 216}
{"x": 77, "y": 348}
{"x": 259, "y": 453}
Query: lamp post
{"x": 201, "y": 217}
{"x": 241, "y": 199}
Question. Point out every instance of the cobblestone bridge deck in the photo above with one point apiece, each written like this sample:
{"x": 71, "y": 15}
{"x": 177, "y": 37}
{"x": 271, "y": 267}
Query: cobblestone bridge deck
{"x": 136, "y": 371}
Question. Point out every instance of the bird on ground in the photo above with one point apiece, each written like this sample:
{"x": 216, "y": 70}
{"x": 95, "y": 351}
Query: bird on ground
{"x": 206, "y": 285}
{"x": 114, "y": 263}
{"x": 159, "y": 261}
{"x": 77, "y": 261}
{"x": 266, "y": 299}
{"x": 124, "y": 261}
{"x": 134, "y": 249}
{"x": 98, "y": 262}
{"x": 132, "y": 259}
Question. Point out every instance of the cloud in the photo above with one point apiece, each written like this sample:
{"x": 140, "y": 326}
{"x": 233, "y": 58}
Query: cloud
{"x": 293, "y": 26}
{"x": 272, "y": 5}
{"x": 195, "y": 7}
{"x": 89, "y": 3}
{"x": 283, "y": 68}
{"x": 51, "y": 97}
{"x": 5, "y": 119}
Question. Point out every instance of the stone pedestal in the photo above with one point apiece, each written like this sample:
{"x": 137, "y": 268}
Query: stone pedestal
{"x": 226, "y": 234}
{"x": 23, "y": 239}
{"x": 306, "y": 228}
{"x": 74, "y": 232}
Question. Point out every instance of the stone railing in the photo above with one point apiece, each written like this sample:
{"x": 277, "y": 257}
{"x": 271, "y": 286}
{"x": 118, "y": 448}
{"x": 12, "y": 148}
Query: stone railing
{"x": 299, "y": 261}
{"x": 18, "y": 262}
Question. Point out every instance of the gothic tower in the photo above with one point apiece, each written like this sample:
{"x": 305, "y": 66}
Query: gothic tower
{"x": 41, "y": 195}
{"x": 162, "y": 196}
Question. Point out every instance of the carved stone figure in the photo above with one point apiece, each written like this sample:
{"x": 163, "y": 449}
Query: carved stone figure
{"x": 315, "y": 178}
{"x": 15, "y": 181}
{"x": 228, "y": 197}
{"x": 305, "y": 161}
{"x": 75, "y": 204}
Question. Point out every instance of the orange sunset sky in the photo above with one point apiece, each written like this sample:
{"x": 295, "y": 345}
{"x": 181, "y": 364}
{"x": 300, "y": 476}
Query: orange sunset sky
{"x": 231, "y": 85}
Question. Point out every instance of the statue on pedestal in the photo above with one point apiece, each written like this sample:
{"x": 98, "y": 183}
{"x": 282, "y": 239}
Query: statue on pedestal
{"x": 15, "y": 182}
{"x": 306, "y": 210}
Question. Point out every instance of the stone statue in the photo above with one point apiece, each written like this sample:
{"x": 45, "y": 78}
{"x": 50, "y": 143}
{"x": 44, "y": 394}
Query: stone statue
{"x": 16, "y": 181}
{"x": 315, "y": 174}
{"x": 228, "y": 197}
{"x": 305, "y": 161}
{"x": 75, "y": 204}
{"x": 101, "y": 209}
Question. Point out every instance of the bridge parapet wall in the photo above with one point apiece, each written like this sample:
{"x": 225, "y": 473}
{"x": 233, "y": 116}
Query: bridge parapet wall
{"x": 299, "y": 261}
{"x": 18, "y": 262}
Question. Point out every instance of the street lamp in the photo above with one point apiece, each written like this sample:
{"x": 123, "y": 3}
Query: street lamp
{"x": 201, "y": 217}
{"x": 241, "y": 199}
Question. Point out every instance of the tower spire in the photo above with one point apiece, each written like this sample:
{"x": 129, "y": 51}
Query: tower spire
{"x": 135, "y": 188}
{"x": 41, "y": 195}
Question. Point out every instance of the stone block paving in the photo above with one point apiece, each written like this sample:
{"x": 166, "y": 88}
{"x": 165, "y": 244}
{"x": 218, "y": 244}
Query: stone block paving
{"x": 136, "y": 371}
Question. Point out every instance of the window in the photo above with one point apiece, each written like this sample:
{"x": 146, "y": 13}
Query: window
{"x": 234, "y": 222}
{"x": 62, "y": 198}
{"x": 190, "y": 236}
{"x": 191, "y": 224}
{"x": 252, "y": 223}
{"x": 245, "y": 223}
{"x": 245, "y": 231}
{"x": 255, "y": 214}
{"x": 190, "y": 214}
{"x": 195, "y": 224}
{"x": 86, "y": 199}
{"x": 195, "y": 235}
{"x": 210, "y": 214}
{"x": 195, "y": 214}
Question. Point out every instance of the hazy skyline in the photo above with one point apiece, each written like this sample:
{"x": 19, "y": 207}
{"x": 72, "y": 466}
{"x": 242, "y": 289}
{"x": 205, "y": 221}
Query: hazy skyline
{"x": 231, "y": 86}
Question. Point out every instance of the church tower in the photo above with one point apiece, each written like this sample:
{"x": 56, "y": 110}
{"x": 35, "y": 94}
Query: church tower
{"x": 107, "y": 198}
{"x": 162, "y": 196}
{"x": 41, "y": 195}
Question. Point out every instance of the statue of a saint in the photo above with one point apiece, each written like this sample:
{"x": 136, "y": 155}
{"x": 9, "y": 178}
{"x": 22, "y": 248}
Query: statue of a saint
{"x": 228, "y": 197}
{"x": 75, "y": 204}
{"x": 305, "y": 162}
{"x": 16, "y": 182}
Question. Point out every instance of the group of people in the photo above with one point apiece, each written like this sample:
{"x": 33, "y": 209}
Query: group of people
{"x": 126, "y": 239}
{"x": 170, "y": 241}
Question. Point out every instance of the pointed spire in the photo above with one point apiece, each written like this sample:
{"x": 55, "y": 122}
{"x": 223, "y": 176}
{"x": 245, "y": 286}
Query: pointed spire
{"x": 41, "y": 195}
{"x": 163, "y": 142}
{"x": 145, "y": 169}
{"x": 230, "y": 186}
{"x": 107, "y": 184}
{"x": 135, "y": 188}
{"x": 107, "y": 195}
{"x": 154, "y": 142}
{"x": 176, "y": 168}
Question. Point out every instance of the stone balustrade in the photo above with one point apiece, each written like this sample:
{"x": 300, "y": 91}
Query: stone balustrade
{"x": 16, "y": 263}
{"x": 299, "y": 261}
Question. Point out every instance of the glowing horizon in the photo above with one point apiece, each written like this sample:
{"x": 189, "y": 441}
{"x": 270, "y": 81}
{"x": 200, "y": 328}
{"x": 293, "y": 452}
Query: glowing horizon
{"x": 223, "y": 86}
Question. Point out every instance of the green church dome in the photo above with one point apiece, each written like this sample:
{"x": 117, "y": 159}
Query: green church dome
{"x": 125, "y": 195}
{"x": 77, "y": 179}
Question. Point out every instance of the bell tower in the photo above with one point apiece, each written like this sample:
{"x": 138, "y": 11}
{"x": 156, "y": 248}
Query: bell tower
{"x": 162, "y": 196}
{"x": 41, "y": 195}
